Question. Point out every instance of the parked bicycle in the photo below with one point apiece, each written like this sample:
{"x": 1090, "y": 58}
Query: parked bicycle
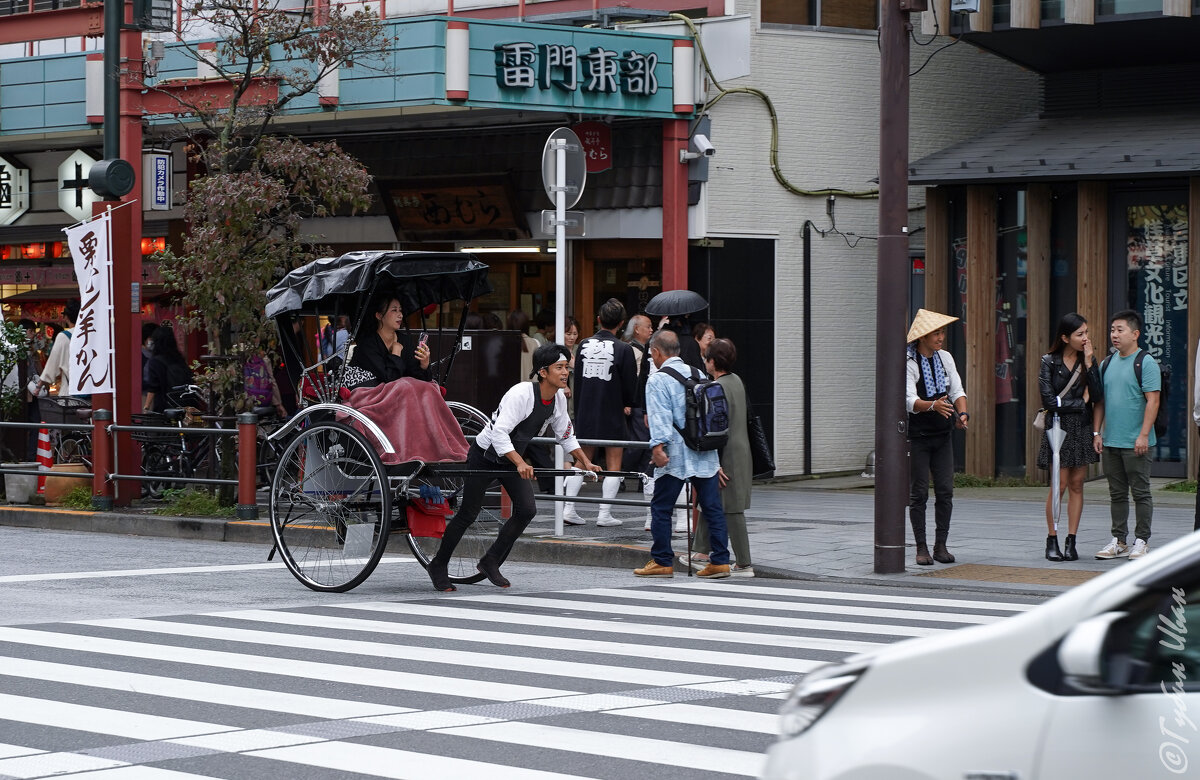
{"x": 182, "y": 455}
{"x": 68, "y": 446}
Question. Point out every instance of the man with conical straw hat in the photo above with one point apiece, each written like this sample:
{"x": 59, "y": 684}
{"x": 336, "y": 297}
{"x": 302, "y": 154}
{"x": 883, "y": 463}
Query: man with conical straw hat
{"x": 936, "y": 406}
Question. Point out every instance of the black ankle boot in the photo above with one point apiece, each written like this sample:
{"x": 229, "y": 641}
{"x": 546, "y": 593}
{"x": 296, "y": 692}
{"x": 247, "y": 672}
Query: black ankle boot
{"x": 491, "y": 570}
{"x": 439, "y": 577}
{"x": 941, "y": 554}
{"x": 1069, "y": 553}
{"x": 1052, "y": 551}
{"x": 923, "y": 558}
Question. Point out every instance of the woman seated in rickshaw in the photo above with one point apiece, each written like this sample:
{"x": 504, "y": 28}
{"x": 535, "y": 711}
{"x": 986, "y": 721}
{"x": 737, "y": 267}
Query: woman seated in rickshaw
{"x": 380, "y": 353}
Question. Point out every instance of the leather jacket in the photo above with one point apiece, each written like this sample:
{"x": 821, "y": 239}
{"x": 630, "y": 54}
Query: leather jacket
{"x": 1053, "y": 376}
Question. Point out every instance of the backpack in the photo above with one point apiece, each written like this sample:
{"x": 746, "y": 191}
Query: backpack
{"x": 256, "y": 378}
{"x": 1164, "y": 370}
{"x": 706, "y": 417}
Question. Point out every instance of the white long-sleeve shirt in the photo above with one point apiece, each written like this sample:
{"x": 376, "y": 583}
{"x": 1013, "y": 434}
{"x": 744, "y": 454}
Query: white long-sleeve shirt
{"x": 58, "y": 365}
{"x": 954, "y": 388}
{"x": 515, "y": 406}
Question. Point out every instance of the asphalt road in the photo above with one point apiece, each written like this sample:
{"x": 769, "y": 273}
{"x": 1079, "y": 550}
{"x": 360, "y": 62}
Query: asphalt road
{"x": 125, "y": 658}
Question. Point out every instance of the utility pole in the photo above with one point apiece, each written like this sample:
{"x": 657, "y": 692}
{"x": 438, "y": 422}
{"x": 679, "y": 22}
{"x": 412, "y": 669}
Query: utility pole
{"x": 892, "y": 277}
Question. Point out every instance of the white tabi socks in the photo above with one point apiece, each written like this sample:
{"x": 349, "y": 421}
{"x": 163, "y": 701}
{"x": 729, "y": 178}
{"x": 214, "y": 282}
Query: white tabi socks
{"x": 609, "y": 489}
{"x": 571, "y": 486}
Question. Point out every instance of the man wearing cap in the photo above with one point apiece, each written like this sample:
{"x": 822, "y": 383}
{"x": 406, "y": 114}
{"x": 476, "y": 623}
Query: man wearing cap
{"x": 524, "y": 411}
{"x": 936, "y": 406}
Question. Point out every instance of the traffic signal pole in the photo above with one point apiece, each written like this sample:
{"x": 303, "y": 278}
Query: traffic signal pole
{"x": 892, "y": 278}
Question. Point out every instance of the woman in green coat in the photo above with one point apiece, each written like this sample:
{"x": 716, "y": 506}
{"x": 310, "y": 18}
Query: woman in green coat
{"x": 736, "y": 467}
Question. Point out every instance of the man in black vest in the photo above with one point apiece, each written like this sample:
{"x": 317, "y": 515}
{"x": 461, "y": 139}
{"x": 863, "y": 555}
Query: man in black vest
{"x": 936, "y": 405}
{"x": 524, "y": 411}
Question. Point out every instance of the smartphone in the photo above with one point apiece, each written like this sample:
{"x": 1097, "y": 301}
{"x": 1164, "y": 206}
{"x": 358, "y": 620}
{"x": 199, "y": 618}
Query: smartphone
{"x": 421, "y": 341}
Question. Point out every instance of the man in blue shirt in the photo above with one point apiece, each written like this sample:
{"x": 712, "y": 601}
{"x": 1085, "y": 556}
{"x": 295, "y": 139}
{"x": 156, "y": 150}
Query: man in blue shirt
{"x": 1126, "y": 418}
{"x": 675, "y": 463}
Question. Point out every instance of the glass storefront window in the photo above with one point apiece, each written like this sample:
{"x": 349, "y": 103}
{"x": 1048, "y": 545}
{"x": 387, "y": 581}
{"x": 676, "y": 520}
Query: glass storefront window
{"x": 1053, "y": 10}
{"x": 1063, "y": 278}
{"x": 1011, "y": 336}
{"x": 1110, "y": 7}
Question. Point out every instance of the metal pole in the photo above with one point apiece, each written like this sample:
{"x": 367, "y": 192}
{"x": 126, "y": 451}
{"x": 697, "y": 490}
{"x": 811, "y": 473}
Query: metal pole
{"x": 113, "y": 16}
{"x": 891, "y": 456}
{"x": 560, "y": 289}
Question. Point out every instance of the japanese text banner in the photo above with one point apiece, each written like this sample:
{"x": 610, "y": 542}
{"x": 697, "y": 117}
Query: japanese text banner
{"x": 91, "y": 341}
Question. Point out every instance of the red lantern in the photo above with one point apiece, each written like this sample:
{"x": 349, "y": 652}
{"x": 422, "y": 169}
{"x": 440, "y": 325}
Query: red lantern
{"x": 33, "y": 251}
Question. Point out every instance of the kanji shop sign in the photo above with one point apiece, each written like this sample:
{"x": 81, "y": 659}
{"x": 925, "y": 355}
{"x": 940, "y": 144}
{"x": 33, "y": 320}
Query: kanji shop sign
{"x": 91, "y": 341}
{"x": 554, "y": 66}
{"x": 596, "y": 138}
{"x": 479, "y": 207}
{"x": 14, "y": 192}
{"x": 74, "y": 195}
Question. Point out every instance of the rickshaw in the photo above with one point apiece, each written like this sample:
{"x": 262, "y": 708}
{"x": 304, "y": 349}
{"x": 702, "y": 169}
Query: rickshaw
{"x": 334, "y": 504}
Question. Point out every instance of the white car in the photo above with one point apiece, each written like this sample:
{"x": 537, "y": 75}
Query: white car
{"x": 1100, "y": 682}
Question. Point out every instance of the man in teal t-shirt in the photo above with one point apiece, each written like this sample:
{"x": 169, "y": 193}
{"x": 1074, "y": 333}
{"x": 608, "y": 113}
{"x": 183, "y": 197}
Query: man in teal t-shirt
{"x": 1126, "y": 417}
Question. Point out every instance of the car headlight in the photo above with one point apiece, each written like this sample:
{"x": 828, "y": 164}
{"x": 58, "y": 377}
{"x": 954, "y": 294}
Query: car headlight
{"x": 815, "y": 695}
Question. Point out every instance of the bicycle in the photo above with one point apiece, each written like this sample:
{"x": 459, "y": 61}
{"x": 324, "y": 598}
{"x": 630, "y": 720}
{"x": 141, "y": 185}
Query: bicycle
{"x": 68, "y": 446}
{"x": 177, "y": 455}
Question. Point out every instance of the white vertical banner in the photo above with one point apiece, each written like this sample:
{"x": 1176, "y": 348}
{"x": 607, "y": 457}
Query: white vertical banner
{"x": 91, "y": 368}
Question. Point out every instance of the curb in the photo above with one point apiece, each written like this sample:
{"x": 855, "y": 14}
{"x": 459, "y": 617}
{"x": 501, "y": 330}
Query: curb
{"x": 527, "y": 550}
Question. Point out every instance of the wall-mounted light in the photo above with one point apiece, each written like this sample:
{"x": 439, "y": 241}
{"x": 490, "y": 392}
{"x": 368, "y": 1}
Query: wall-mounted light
{"x": 56, "y": 249}
{"x": 6, "y": 252}
{"x": 153, "y": 245}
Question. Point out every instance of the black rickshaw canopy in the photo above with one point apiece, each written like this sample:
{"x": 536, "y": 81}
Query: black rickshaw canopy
{"x": 416, "y": 279}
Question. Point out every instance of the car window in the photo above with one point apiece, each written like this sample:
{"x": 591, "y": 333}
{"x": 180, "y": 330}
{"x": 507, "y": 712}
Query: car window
{"x": 1159, "y": 642}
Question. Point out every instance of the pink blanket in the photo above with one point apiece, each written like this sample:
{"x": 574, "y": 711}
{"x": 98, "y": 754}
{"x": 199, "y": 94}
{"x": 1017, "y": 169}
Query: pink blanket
{"x": 416, "y": 420}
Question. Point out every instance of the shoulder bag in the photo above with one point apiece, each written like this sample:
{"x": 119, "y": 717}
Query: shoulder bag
{"x": 1039, "y": 420}
{"x": 762, "y": 462}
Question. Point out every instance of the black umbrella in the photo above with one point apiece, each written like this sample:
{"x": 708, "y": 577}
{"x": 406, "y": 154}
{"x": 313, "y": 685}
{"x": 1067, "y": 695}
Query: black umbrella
{"x": 675, "y": 303}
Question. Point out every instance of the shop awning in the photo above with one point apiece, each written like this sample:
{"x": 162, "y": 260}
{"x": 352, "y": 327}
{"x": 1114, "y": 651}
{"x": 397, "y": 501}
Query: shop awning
{"x": 1040, "y": 148}
{"x": 150, "y": 292}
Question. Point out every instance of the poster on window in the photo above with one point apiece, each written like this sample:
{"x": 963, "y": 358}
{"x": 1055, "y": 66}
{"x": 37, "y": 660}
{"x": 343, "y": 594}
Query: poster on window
{"x": 1157, "y": 253}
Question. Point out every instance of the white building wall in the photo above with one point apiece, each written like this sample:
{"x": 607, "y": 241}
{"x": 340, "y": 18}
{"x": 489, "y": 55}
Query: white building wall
{"x": 825, "y": 88}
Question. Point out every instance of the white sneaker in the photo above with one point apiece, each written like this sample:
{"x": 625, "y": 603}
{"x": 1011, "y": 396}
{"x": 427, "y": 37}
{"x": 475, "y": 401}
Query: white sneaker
{"x": 608, "y": 521}
{"x": 571, "y": 517}
{"x": 1115, "y": 549}
{"x": 741, "y": 571}
{"x": 1140, "y": 548}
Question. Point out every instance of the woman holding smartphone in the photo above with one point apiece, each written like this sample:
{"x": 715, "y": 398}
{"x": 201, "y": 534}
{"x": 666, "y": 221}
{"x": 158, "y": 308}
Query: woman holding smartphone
{"x": 380, "y": 354}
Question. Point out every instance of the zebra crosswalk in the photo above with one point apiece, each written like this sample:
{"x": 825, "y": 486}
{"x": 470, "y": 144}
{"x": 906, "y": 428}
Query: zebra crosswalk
{"x": 677, "y": 678}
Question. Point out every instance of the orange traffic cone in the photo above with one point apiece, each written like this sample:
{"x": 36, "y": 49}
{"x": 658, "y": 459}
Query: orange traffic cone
{"x": 45, "y": 458}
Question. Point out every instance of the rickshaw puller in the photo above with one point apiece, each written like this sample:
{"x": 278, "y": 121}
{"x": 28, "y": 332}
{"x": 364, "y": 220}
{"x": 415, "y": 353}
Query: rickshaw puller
{"x": 524, "y": 411}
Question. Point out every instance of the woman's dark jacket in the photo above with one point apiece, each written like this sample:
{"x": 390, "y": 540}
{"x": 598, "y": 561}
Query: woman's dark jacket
{"x": 371, "y": 355}
{"x": 1053, "y": 376}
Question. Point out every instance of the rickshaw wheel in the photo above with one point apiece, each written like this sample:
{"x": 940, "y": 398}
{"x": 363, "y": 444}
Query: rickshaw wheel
{"x": 330, "y": 507}
{"x": 479, "y": 537}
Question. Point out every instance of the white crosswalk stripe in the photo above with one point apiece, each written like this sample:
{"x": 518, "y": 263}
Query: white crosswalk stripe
{"x": 672, "y": 679}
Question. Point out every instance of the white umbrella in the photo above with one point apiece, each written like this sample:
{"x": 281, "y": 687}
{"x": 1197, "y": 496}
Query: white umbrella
{"x": 1055, "y": 435}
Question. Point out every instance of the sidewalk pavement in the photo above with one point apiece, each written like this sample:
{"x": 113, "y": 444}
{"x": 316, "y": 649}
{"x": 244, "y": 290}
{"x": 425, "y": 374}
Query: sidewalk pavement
{"x": 820, "y": 529}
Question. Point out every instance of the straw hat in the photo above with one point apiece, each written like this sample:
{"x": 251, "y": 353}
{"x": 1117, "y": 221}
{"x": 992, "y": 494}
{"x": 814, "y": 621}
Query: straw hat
{"x": 927, "y": 322}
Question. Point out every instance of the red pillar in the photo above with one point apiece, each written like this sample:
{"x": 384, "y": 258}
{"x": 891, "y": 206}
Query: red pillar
{"x": 675, "y": 206}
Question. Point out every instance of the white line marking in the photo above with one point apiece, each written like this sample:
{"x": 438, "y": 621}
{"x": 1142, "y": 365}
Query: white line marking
{"x": 641, "y": 749}
{"x": 137, "y": 773}
{"x": 250, "y": 739}
{"x": 100, "y": 720}
{"x": 697, "y": 637}
{"x": 569, "y": 605}
{"x": 399, "y": 764}
{"x": 87, "y": 575}
{"x": 768, "y": 590}
{"x": 698, "y": 715}
{"x": 474, "y": 660}
{"x": 704, "y": 655}
{"x": 45, "y": 764}
{"x": 12, "y": 751}
{"x": 711, "y": 599}
{"x": 307, "y": 670}
{"x": 193, "y": 690}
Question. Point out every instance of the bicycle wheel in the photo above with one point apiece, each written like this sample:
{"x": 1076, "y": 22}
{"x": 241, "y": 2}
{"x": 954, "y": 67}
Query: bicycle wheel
{"x": 483, "y": 531}
{"x": 157, "y": 462}
{"x": 330, "y": 507}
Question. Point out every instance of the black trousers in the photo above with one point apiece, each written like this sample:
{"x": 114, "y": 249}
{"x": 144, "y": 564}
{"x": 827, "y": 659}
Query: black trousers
{"x": 524, "y": 507}
{"x": 637, "y": 460}
{"x": 931, "y": 454}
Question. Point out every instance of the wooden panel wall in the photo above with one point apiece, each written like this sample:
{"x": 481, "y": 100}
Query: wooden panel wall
{"x": 1177, "y": 8}
{"x": 937, "y": 250}
{"x": 942, "y": 23}
{"x": 1081, "y": 12}
{"x": 1193, "y": 317}
{"x": 1037, "y": 300}
{"x": 1026, "y": 14}
{"x": 982, "y": 21}
{"x": 980, "y": 374}
{"x": 1092, "y": 261}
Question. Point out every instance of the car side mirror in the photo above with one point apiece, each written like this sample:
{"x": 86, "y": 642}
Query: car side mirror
{"x": 1081, "y": 656}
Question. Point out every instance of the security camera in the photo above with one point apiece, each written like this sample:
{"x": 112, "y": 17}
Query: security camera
{"x": 704, "y": 148}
